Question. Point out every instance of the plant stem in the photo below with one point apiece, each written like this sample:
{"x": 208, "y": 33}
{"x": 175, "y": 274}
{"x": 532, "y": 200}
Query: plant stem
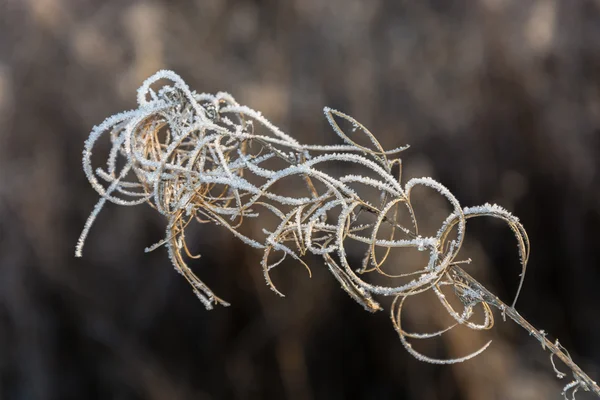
{"x": 585, "y": 382}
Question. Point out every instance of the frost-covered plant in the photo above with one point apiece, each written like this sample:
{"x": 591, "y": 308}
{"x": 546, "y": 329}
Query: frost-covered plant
{"x": 205, "y": 158}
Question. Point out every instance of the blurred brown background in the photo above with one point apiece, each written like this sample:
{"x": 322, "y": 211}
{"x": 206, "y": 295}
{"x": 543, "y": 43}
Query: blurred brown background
{"x": 500, "y": 100}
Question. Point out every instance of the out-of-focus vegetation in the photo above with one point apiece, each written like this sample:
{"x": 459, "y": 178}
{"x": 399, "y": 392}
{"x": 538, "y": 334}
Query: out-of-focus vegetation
{"x": 500, "y": 100}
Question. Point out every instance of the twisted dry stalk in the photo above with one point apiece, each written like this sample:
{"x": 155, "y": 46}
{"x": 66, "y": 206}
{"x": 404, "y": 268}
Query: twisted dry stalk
{"x": 205, "y": 158}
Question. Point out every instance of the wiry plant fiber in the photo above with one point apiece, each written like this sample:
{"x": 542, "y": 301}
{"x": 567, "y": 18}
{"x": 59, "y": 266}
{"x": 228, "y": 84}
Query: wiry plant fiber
{"x": 207, "y": 159}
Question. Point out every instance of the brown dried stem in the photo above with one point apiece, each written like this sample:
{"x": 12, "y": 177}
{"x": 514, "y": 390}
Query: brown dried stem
{"x": 205, "y": 158}
{"x": 581, "y": 378}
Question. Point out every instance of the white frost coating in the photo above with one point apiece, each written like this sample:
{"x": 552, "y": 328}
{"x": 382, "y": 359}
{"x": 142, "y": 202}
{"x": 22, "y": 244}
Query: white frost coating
{"x": 206, "y": 158}
{"x": 244, "y": 110}
{"x": 495, "y": 211}
{"x": 179, "y": 84}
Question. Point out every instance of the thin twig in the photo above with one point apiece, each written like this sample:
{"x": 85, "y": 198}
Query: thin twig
{"x": 586, "y": 382}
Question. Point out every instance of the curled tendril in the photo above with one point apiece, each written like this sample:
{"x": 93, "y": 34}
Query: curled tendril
{"x": 207, "y": 159}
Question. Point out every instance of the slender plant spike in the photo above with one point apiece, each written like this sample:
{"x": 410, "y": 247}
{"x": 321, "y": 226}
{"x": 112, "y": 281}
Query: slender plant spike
{"x": 207, "y": 159}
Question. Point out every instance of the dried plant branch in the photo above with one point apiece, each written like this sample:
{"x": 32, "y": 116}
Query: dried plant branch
{"x": 208, "y": 159}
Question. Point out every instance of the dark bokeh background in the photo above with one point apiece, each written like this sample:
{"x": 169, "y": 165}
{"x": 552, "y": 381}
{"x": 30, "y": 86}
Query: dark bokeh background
{"x": 500, "y": 100}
